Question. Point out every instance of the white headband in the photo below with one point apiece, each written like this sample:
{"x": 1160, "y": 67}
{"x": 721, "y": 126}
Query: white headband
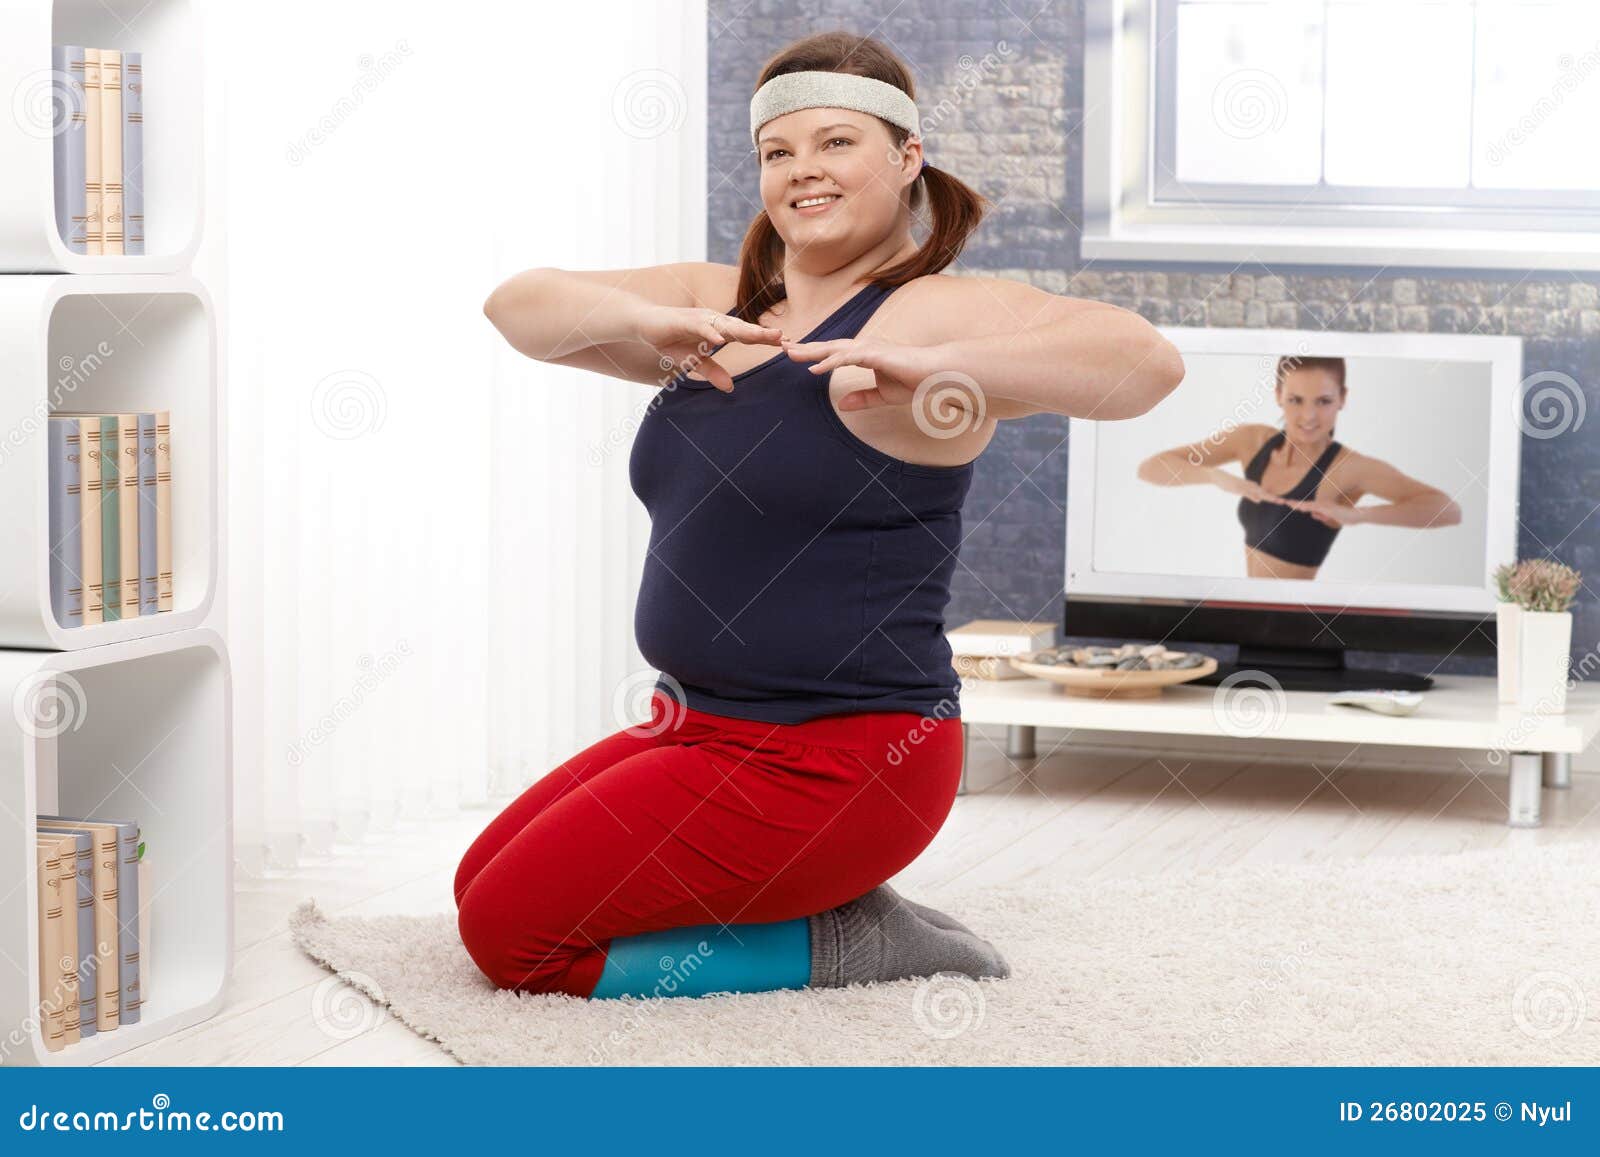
{"x": 797, "y": 90}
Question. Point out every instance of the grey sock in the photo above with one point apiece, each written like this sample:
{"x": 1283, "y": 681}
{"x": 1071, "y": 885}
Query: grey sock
{"x": 879, "y": 937}
{"x": 932, "y": 915}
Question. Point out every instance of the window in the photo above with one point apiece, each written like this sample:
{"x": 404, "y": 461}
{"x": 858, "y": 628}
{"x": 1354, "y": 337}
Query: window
{"x": 1434, "y": 132}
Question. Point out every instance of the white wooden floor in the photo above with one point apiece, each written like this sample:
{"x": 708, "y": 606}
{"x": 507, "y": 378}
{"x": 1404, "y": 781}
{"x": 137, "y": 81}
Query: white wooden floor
{"x": 1076, "y": 811}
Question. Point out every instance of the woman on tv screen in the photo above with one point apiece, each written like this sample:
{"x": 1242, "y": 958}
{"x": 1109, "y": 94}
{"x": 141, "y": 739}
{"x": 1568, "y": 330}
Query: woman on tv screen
{"x": 1300, "y": 487}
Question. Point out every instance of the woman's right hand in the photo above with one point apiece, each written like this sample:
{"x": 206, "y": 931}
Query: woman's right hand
{"x": 685, "y": 337}
{"x": 1243, "y": 487}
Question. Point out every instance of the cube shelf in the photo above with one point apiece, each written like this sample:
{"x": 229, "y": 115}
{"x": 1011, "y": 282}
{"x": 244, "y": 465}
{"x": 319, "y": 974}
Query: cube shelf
{"x": 166, "y": 32}
{"x": 130, "y": 719}
{"x": 140, "y": 729}
{"x": 110, "y": 343}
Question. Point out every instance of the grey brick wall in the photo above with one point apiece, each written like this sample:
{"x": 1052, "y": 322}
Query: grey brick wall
{"x": 1007, "y": 80}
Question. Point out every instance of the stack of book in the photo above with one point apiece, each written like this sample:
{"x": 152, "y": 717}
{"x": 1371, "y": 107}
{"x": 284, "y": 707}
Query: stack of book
{"x": 99, "y": 150}
{"x": 110, "y": 516}
{"x": 94, "y": 927}
{"x": 983, "y": 648}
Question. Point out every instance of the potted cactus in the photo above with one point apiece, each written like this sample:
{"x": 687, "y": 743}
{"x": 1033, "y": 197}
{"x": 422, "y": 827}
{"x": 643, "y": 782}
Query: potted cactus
{"x": 1543, "y": 590}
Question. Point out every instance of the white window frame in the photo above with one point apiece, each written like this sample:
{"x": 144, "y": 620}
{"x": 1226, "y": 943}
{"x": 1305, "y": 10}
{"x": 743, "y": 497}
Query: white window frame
{"x": 1123, "y": 221}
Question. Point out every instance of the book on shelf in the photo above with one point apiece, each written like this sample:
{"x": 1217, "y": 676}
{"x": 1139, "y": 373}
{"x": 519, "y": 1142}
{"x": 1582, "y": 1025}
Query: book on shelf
{"x": 119, "y": 944}
{"x": 133, "y": 153}
{"x": 111, "y": 149}
{"x": 149, "y": 514}
{"x": 82, "y": 913}
{"x": 110, "y": 522}
{"x": 985, "y": 667}
{"x": 94, "y": 231}
{"x": 56, "y": 859}
{"x": 99, "y": 150}
{"x": 71, "y": 184}
{"x": 983, "y": 648}
{"x": 1002, "y": 637}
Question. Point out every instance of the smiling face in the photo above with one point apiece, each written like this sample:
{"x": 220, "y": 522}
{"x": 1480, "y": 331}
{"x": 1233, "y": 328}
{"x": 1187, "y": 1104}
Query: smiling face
{"x": 1311, "y": 398}
{"x": 834, "y": 183}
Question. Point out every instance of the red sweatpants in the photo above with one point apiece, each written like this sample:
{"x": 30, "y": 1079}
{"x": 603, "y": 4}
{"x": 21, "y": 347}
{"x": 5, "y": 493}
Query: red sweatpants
{"x": 694, "y": 818}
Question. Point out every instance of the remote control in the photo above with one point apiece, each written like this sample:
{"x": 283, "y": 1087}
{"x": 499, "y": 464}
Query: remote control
{"x": 1383, "y": 702}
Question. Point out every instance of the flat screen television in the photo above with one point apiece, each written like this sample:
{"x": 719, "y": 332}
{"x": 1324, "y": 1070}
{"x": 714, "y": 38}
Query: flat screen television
{"x": 1211, "y": 519}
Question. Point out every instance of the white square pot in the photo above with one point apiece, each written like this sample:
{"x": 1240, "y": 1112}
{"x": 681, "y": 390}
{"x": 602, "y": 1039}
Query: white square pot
{"x": 1508, "y": 656}
{"x": 1544, "y": 646}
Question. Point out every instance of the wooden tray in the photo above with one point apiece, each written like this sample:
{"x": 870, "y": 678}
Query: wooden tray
{"x": 1109, "y": 683}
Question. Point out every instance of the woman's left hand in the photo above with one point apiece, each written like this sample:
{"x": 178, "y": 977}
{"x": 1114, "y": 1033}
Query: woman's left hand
{"x": 897, "y": 370}
{"x": 1335, "y": 514}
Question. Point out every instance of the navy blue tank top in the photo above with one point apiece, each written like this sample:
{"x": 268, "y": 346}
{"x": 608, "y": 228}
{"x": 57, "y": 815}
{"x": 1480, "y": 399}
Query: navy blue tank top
{"x": 794, "y": 571}
{"x": 1291, "y": 535}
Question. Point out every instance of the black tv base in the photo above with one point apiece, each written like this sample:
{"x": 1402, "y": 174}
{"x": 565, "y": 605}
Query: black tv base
{"x": 1310, "y": 670}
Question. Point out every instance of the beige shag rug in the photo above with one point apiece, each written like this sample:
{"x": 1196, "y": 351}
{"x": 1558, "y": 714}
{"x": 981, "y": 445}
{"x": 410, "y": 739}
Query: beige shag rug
{"x": 1469, "y": 959}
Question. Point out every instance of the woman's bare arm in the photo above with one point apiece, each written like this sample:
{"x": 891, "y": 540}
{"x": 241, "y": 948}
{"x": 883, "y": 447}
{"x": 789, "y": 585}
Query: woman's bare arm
{"x": 591, "y": 319}
{"x": 1200, "y": 463}
{"x": 1408, "y": 501}
{"x": 1064, "y": 355}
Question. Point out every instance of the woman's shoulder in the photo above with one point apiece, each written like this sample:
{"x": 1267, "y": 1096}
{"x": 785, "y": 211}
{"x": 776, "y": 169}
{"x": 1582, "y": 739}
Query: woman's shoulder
{"x": 966, "y": 305}
{"x": 1249, "y": 437}
{"x": 709, "y": 284}
{"x": 964, "y": 291}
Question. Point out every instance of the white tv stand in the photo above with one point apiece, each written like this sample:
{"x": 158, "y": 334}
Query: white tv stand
{"x": 1460, "y": 712}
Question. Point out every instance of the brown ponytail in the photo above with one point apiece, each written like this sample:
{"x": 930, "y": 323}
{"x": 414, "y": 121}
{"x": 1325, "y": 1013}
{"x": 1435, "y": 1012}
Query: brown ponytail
{"x": 954, "y": 209}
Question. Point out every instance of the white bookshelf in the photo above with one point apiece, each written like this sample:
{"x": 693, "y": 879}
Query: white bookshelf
{"x": 105, "y": 343}
{"x": 166, "y": 32}
{"x": 129, "y": 719}
{"x": 140, "y": 729}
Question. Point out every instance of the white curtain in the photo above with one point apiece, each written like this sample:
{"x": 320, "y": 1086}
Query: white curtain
{"x": 433, "y": 550}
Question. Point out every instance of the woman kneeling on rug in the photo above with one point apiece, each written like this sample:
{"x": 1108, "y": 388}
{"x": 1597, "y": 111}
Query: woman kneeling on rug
{"x": 805, "y": 492}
